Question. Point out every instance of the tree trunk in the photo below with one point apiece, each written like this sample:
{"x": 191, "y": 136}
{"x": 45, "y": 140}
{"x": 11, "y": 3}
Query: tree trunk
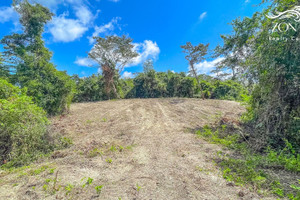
{"x": 197, "y": 78}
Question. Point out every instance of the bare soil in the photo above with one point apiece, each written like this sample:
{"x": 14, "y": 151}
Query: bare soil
{"x": 136, "y": 149}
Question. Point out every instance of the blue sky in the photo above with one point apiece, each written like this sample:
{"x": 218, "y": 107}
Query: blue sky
{"x": 158, "y": 28}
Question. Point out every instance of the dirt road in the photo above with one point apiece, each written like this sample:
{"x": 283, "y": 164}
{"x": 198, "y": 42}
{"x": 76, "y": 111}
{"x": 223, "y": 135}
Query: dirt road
{"x": 133, "y": 149}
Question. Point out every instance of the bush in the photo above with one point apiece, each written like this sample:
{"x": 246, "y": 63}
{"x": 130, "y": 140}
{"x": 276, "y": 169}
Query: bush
{"x": 88, "y": 88}
{"x": 229, "y": 90}
{"x": 23, "y": 126}
{"x": 49, "y": 88}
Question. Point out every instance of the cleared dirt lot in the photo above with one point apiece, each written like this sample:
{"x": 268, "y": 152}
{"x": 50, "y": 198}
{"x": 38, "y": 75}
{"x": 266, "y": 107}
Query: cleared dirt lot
{"x": 136, "y": 149}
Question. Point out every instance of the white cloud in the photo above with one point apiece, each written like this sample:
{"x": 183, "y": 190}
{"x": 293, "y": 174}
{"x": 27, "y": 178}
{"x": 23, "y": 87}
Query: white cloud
{"x": 114, "y": 0}
{"x": 127, "y": 75}
{"x": 202, "y": 16}
{"x": 104, "y": 29}
{"x": 147, "y": 49}
{"x": 7, "y": 14}
{"x": 85, "y": 62}
{"x": 66, "y": 30}
{"x": 206, "y": 67}
{"x": 84, "y": 15}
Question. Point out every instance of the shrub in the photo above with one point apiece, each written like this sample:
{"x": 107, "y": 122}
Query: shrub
{"x": 89, "y": 88}
{"x": 229, "y": 90}
{"x": 23, "y": 126}
{"x": 49, "y": 88}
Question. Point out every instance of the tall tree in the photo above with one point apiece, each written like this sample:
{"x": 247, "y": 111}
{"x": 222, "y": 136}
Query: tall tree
{"x": 4, "y": 70}
{"x": 112, "y": 53}
{"x": 50, "y": 89}
{"x": 148, "y": 65}
{"x": 194, "y": 55}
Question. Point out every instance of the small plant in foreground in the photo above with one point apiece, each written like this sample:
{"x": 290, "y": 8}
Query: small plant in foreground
{"x": 104, "y": 119}
{"x": 66, "y": 142}
{"x": 113, "y": 148}
{"x": 138, "y": 188}
{"x": 69, "y": 188}
{"x": 51, "y": 171}
{"x": 95, "y": 152}
{"x": 98, "y": 189}
{"x": 88, "y": 182}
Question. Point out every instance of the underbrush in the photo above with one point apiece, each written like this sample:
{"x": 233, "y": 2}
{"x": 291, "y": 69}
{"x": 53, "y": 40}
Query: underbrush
{"x": 269, "y": 171}
{"x": 24, "y": 128}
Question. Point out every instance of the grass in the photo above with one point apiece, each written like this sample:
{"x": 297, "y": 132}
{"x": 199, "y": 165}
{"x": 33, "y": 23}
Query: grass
{"x": 246, "y": 167}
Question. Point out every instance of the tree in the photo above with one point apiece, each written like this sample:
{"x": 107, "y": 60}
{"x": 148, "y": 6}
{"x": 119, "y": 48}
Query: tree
{"x": 195, "y": 54}
{"x": 112, "y": 53}
{"x": 50, "y": 89}
{"x": 273, "y": 67}
{"x": 4, "y": 70}
{"x": 148, "y": 65}
{"x": 237, "y": 49}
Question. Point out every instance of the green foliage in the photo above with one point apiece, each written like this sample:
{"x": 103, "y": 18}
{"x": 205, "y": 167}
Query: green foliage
{"x": 98, "y": 189}
{"x": 112, "y": 53}
{"x": 69, "y": 188}
{"x": 194, "y": 55}
{"x": 4, "y": 70}
{"x": 287, "y": 157}
{"x": 23, "y": 126}
{"x": 229, "y": 90}
{"x": 148, "y": 66}
{"x": 247, "y": 167}
{"x": 50, "y": 89}
{"x": 65, "y": 142}
{"x": 158, "y": 85}
{"x": 148, "y": 85}
{"x": 89, "y": 88}
{"x": 109, "y": 160}
{"x": 138, "y": 187}
{"x": 54, "y": 93}
{"x": 271, "y": 70}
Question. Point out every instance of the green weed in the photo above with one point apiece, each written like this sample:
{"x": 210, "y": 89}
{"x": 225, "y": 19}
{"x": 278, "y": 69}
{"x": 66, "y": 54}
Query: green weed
{"x": 98, "y": 189}
{"x": 95, "y": 152}
{"x": 138, "y": 188}
{"x": 247, "y": 169}
{"x": 65, "y": 142}
{"x": 104, "y": 119}
{"x": 69, "y": 188}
